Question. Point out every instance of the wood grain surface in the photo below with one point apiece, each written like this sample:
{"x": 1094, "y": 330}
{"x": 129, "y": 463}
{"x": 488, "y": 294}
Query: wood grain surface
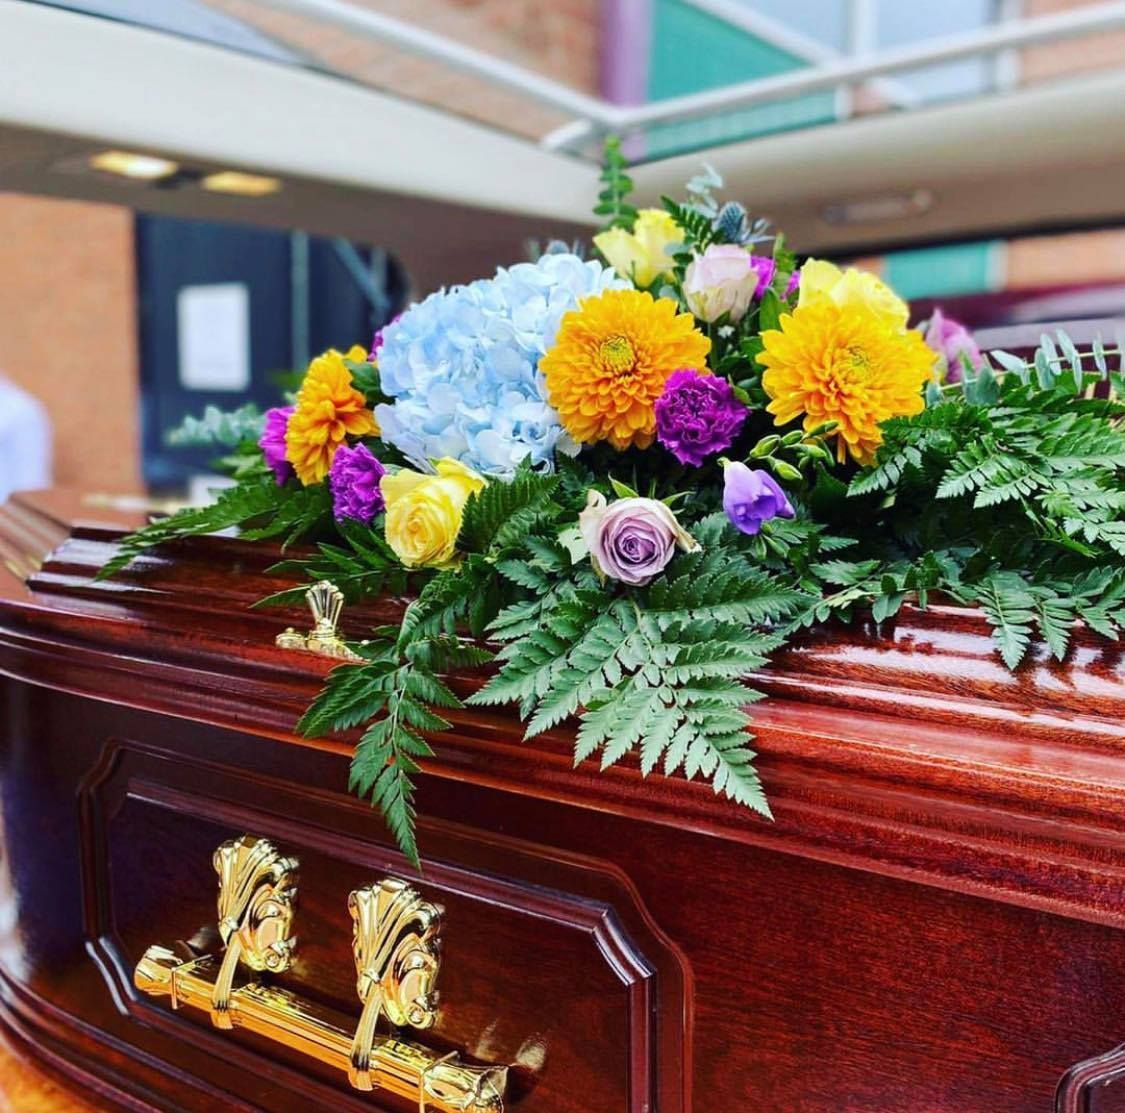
{"x": 930, "y": 923}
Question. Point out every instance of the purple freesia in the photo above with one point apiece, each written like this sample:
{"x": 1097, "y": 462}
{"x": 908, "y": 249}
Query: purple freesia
{"x": 697, "y": 416}
{"x": 751, "y": 497}
{"x": 354, "y": 480}
{"x": 952, "y": 341}
{"x": 632, "y": 539}
{"x": 272, "y": 443}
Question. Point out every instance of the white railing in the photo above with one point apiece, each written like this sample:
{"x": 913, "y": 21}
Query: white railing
{"x": 595, "y": 118}
{"x": 785, "y": 38}
{"x": 417, "y": 40}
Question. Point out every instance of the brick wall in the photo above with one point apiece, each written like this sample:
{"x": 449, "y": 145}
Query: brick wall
{"x": 68, "y": 331}
{"x": 1070, "y": 58}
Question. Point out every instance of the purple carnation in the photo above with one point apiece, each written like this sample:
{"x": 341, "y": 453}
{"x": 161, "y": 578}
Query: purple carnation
{"x": 697, "y": 416}
{"x": 751, "y": 497}
{"x": 354, "y": 480}
{"x": 272, "y": 442}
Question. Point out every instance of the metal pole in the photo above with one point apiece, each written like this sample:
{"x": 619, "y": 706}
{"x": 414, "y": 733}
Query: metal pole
{"x": 299, "y": 352}
{"x": 361, "y": 276}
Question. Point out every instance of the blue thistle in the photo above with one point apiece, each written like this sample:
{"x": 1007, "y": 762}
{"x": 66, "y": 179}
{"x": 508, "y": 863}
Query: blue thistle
{"x": 732, "y": 223}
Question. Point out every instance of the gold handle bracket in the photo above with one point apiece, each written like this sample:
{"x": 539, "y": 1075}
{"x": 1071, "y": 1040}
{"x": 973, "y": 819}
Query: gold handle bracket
{"x": 326, "y": 601}
{"x": 395, "y": 941}
{"x": 257, "y": 889}
{"x": 396, "y": 944}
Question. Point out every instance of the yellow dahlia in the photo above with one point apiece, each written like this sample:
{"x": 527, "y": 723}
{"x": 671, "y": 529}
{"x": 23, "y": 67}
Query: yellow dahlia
{"x": 328, "y": 409}
{"x": 844, "y": 365}
{"x": 610, "y": 361}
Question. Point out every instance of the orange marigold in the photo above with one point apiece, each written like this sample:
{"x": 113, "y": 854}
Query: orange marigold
{"x": 329, "y": 408}
{"x": 833, "y": 363}
{"x": 610, "y": 361}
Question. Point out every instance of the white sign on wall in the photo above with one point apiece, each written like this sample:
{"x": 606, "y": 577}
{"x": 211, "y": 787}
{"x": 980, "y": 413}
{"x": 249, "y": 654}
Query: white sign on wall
{"x": 213, "y": 326}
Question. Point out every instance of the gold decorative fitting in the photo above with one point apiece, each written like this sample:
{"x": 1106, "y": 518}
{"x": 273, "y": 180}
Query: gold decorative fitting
{"x": 396, "y": 945}
{"x": 257, "y": 888}
{"x": 326, "y": 601}
{"x": 395, "y": 941}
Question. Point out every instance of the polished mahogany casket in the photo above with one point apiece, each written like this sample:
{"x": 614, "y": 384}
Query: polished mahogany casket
{"x": 931, "y": 922}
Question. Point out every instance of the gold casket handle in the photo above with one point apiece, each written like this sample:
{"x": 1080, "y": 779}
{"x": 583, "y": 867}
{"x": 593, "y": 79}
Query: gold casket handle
{"x": 326, "y": 602}
{"x": 396, "y": 944}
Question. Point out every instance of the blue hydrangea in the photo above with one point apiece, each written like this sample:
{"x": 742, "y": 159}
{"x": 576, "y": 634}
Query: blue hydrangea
{"x": 463, "y": 367}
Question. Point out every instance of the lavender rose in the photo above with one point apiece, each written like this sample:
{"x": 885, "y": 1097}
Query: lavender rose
{"x": 951, "y": 340}
{"x": 725, "y": 279}
{"x": 354, "y": 480}
{"x": 697, "y": 416}
{"x": 751, "y": 497}
{"x": 272, "y": 443}
{"x": 632, "y": 539}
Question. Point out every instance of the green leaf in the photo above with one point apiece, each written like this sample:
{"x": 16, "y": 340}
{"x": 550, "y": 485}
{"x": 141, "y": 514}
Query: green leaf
{"x": 622, "y": 490}
{"x": 365, "y": 379}
{"x": 769, "y": 313}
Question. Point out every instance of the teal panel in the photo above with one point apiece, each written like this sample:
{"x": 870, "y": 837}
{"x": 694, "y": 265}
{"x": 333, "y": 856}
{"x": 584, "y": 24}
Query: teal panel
{"x": 692, "y": 51}
{"x": 964, "y": 268}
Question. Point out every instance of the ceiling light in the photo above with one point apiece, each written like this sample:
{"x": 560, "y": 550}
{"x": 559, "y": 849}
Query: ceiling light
{"x": 872, "y": 210}
{"x": 234, "y": 181}
{"x": 129, "y": 164}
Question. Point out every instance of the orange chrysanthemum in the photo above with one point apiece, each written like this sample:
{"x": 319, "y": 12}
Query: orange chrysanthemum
{"x": 610, "y": 362}
{"x": 832, "y": 363}
{"x": 329, "y": 408}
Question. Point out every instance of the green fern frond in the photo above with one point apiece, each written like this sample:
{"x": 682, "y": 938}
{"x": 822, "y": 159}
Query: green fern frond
{"x": 247, "y": 502}
{"x": 613, "y": 203}
{"x": 503, "y": 514}
{"x": 1010, "y": 609}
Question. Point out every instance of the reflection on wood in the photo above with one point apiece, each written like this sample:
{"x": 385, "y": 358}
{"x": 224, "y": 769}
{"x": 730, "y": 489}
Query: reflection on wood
{"x": 28, "y": 1087}
{"x": 932, "y": 923}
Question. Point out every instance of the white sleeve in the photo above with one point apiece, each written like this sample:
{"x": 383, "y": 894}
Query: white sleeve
{"x": 25, "y": 442}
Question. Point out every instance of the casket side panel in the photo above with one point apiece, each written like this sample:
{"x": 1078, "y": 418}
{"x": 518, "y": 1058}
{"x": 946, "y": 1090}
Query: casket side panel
{"x": 770, "y": 977}
{"x": 552, "y": 964}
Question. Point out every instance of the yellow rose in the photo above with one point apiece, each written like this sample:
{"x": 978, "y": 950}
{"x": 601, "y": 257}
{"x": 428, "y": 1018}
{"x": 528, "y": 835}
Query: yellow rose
{"x": 823, "y": 282}
{"x": 424, "y": 512}
{"x": 641, "y": 255}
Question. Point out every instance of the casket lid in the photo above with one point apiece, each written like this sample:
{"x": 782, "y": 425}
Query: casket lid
{"x": 889, "y": 746}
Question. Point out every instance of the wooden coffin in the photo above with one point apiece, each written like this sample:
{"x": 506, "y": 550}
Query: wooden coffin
{"x": 930, "y": 924}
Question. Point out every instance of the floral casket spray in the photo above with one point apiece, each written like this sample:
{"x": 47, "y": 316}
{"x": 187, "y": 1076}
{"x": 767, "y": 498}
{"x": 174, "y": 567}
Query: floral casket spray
{"x": 620, "y": 483}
